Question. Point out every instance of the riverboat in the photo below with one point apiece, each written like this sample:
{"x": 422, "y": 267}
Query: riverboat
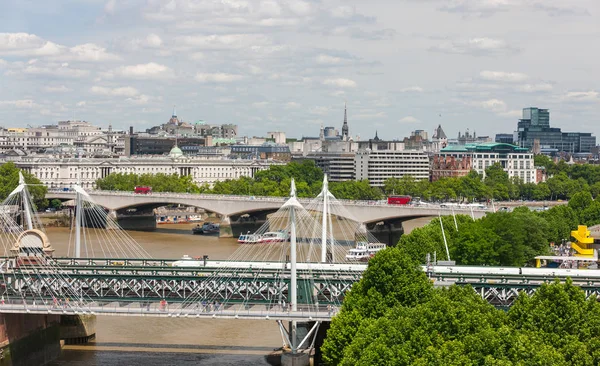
{"x": 364, "y": 251}
{"x": 206, "y": 228}
{"x": 249, "y": 238}
{"x": 274, "y": 237}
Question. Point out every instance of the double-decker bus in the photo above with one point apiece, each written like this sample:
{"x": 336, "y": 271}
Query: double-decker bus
{"x": 399, "y": 200}
{"x": 142, "y": 190}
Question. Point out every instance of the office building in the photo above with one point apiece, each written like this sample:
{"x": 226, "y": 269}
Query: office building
{"x": 535, "y": 125}
{"x": 453, "y": 161}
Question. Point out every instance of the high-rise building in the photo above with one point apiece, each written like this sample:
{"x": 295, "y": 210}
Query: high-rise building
{"x": 535, "y": 125}
{"x": 538, "y": 117}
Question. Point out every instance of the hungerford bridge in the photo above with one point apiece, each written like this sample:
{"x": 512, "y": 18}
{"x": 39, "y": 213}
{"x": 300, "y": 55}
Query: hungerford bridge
{"x": 300, "y": 279}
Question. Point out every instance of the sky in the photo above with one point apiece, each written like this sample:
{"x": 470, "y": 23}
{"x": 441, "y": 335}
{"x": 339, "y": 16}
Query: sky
{"x": 291, "y": 65}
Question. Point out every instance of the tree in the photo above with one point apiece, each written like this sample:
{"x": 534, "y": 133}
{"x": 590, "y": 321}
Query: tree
{"x": 56, "y": 204}
{"x": 9, "y": 180}
{"x": 497, "y": 180}
{"x": 391, "y": 279}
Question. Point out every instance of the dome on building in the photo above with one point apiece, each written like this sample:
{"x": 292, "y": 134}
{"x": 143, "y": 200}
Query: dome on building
{"x": 175, "y": 152}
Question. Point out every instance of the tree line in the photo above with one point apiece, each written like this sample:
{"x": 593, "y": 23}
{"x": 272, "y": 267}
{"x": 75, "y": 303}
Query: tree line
{"x": 395, "y": 316}
{"x": 566, "y": 180}
{"x": 275, "y": 181}
{"x": 501, "y": 238}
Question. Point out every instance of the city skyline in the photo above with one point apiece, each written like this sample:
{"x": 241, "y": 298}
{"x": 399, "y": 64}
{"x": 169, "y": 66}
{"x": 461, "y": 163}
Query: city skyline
{"x": 291, "y": 66}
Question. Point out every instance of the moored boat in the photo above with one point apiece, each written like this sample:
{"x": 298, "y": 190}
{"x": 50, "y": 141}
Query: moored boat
{"x": 249, "y": 238}
{"x": 274, "y": 237}
{"x": 206, "y": 228}
{"x": 364, "y": 251}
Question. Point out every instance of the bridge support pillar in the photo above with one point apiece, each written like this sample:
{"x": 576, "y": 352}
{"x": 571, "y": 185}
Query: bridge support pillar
{"x": 77, "y": 329}
{"x": 295, "y": 359}
{"x": 225, "y": 228}
{"x": 28, "y": 339}
{"x": 137, "y": 222}
{"x": 388, "y": 233}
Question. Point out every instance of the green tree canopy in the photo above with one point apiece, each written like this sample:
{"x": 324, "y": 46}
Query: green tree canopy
{"x": 9, "y": 180}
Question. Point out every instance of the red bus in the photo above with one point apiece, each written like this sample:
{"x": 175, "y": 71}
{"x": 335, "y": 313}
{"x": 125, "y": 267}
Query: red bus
{"x": 142, "y": 190}
{"x": 399, "y": 200}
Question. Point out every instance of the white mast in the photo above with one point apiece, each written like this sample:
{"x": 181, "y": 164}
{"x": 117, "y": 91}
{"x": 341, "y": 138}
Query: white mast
{"x": 78, "y": 218}
{"x": 325, "y": 193}
{"x": 25, "y": 198}
{"x": 444, "y": 236}
{"x": 293, "y": 283}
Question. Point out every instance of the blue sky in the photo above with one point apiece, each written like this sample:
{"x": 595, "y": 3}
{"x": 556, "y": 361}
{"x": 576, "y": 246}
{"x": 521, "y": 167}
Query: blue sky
{"x": 290, "y": 65}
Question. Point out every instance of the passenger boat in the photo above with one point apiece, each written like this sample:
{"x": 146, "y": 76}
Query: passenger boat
{"x": 273, "y": 237}
{"x": 364, "y": 251}
{"x": 206, "y": 228}
{"x": 249, "y": 238}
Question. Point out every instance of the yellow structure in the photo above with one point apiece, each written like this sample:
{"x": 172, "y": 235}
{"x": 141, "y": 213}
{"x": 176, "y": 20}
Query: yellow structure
{"x": 583, "y": 244}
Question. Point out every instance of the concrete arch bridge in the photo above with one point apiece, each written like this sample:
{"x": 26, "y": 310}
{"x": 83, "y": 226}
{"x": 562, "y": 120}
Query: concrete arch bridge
{"x": 135, "y": 211}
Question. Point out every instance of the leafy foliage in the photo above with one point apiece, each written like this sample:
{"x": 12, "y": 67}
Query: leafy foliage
{"x": 9, "y": 180}
{"x": 275, "y": 181}
{"x": 455, "y": 326}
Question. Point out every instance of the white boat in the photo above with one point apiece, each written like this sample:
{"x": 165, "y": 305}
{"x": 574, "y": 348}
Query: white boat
{"x": 273, "y": 237}
{"x": 249, "y": 238}
{"x": 364, "y": 251}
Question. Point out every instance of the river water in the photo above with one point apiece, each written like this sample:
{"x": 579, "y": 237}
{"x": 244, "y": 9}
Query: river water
{"x": 137, "y": 341}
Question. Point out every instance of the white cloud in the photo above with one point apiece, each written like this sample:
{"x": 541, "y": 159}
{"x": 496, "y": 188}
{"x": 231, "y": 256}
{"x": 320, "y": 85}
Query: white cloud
{"x": 88, "y": 52}
{"x": 55, "y": 70}
{"x": 124, "y": 91}
{"x": 494, "y": 105}
{"x": 582, "y": 96}
{"x": 57, "y": 89}
{"x": 218, "y": 77}
{"x": 319, "y": 111}
{"x": 222, "y": 42}
{"x": 150, "y": 70}
{"x": 292, "y": 105}
{"x": 196, "y": 56}
{"x": 260, "y": 104}
{"x": 328, "y": 60}
{"x": 409, "y": 119}
{"x": 533, "y": 88}
{"x": 20, "y": 104}
{"x": 340, "y": 83}
{"x": 412, "y": 89}
{"x": 138, "y": 99}
{"x": 25, "y": 44}
{"x": 153, "y": 41}
{"x": 299, "y": 7}
{"x": 500, "y": 76}
{"x": 81, "y": 103}
{"x": 369, "y": 115}
{"x": 110, "y": 6}
{"x": 30, "y": 45}
{"x": 479, "y": 46}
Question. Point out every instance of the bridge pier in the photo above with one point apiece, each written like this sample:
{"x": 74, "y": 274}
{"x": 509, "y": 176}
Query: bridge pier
{"x": 387, "y": 232}
{"x": 138, "y": 222}
{"x": 225, "y": 228}
{"x": 77, "y": 329}
{"x": 28, "y": 339}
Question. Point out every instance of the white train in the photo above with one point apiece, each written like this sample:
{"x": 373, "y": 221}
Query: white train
{"x": 527, "y": 271}
{"x": 187, "y": 261}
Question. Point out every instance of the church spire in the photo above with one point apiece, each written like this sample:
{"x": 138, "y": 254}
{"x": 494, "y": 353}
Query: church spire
{"x": 174, "y": 111}
{"x": 345, "y": 133}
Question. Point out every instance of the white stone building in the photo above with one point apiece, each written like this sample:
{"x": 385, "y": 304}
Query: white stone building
{"x": 377, "y": 166}
{"x": 60, "y": 173}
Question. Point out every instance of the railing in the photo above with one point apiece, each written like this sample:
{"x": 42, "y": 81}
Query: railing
{"x": 166, "y": 309}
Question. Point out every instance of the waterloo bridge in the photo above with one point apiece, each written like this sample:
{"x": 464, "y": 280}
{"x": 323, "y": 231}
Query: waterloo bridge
{"x": 246, "y": 213}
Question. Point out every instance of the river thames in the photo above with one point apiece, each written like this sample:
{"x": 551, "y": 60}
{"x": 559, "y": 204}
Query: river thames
{"x": 138, "y": 341}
